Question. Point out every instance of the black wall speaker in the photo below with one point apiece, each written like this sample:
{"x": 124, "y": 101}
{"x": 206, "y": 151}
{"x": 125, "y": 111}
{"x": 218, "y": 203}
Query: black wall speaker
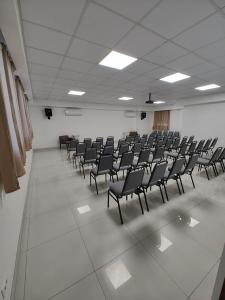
{"x": 48, "y": 113}
{"x": 143, "y": 115}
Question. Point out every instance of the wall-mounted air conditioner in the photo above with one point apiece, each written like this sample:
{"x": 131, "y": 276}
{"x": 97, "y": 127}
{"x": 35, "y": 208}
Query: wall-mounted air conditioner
{"x": 130, "y": 114}
{"x": 73, "y": 112}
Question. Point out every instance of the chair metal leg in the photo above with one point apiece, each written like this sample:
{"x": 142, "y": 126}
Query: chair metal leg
{"x": 121, "y": 218}
{"x": 178, "y": 186}
{"x": 83, "y": 171}
{"x": 108, "y": 200}
{"x": 139, "y": 198}
{"x": 146, "y": 203}
{"x": 181, "y": 183}
{"x": 165, "y": 191}
{"x": 192, "y": 181}
{"x": 161, "y": 192}
{"x": 206, "y": 171}
{"x": 96, "y": 186}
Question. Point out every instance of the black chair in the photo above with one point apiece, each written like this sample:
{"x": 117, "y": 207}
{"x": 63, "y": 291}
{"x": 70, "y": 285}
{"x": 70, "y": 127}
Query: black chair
{"x": 97, "y": 145}
{"x": 191, "y": 139}
{"x": 109, "y": 143}
{"x": 188, "y": 169}
{"x": 221, "y": 159}
{"x": 108, "y": 150}
{"x": 89, "y": 157}
{"x": 154, "y": 179}
{"x": 183, "y": 141}
{"x": 124, "y": 147}
{"x": 157, "y": 156}
{"x": 127, "y": 187}
{"x": 104, "y": 167}
{"x": 88, "y": 142}
{"x": 175, "y": 145}
{"x": 173, "y": 173}
{"x": 99, "y": 140}
{"x": 168, "y": 144}
{"x": 150, "y": 142}
{"x": 80, "y": 150}
{"x": 191, "y": 148}
{"x": 72, "y": 147}
{"x": 120, "y": 142}
{"x": 205, "y": 148}
{"x": 142, "y": 160}
{"x": 200, "y": 147}
{"x": 180, "y": 153}
{"x": 136, "y": 149}
{"x": 213, "y": 144}
{"x": 205, "y": 163}
{"x": 124, "y": 164}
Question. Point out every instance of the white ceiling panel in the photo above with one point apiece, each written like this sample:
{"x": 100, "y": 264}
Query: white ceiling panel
{"x": 140, "y": 67}
{"x": 142, "y": 81}
{"x": 139, "y": 42}
{"x": 45, "y": 39}
{"x": 214, "y": 76}
{"x": 41, "y": 78}
{"x": 171, "y": 17}
{"x": 201, "y": 68}
{"x": 125, "y": 76}
{"x": 43, "y": 70}
{"x": 220, "y": 61}
{"x": 185, "y": 62}
{"x": 43, "y": 57}
{"x": 99, "y": 70}
{"x": 102, "y": 26}
{"x": 132, "y": 9}
{"x": 70, "y": 75}
{"x": 206, "y": 32}
{"x": 159, "y": 72}
{"x": 87, "y": 51}
{"x": 165, "y": 53}
{"x": 51, "y": 13}
{"x": 213, "y": 50}
{"x": 76, "y": 65}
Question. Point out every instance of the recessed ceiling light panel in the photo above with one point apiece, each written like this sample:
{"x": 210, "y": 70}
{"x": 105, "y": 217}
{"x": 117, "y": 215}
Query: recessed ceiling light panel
{"x": 117, "y": 60}
{"x": 207, "y": 87}
{"x": 125, "y": 98}
{"x": 175, "y": 77}
{"x": 76, "y": 93}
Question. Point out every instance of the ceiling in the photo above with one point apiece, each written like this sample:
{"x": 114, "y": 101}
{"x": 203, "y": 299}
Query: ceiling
{"x": 65, "y": 41}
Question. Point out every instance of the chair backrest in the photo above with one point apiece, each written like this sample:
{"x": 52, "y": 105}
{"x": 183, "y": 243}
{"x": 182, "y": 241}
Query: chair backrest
{"x": 183, "y": 141}
{"x": 158, "y": 172}
{"x": 123, "y": 148}
{"x": 120, "y": 142}
{"x": 133, "y": 181}
{"x": 192, "y": 147}
{"x": 128, "y": 139}
{"x": 142, "y": 141}
{"x": 176, "y": 134}
{"x": 207, "y": 144}
{"x": 80, "y": 148}
{"x": 150, "y": 141}
{"x": 88, "y": 142}
{"x": 176, "y": 167}
{"x": 170, "y": 134}
{"x": 96, "y": 145}
{"x": 216, "y": 155}
{"x": 144, "y": 136}
{"x": 90, "y": 153}
{"x": 200, "y": 146}
{"x": 222, "y": 155}
{"x": 191, "y": 163}
{"x": 109, "y": 143}
{"x": 143, "y": 156}
{"x": 183, "y": 149}
{"x": 127, "y": 159}
{"x": 99, "y": 140}
{"x": 110, "y": 138}
{"x": 191, "y": 139}
{"x": 213, "y": 144}
{"x": 73, "y": 144}
{"x": 168, "y": 143}
{"x": 176, "y": 143}
{"x": 108, "y": 150}
{"x": 136, "y": 148}
{"x": 159, "y": 153}
{"x": 105, "y": 163}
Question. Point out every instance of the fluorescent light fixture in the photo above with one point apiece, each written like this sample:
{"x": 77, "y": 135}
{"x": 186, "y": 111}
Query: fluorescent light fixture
{"x": 159, "y": 102}
{"x": 83, "y": 209}
{"x": 117, "y": 60}
{"x": 175, "y": 77}
{"x": 164, "y": 244}
{"x": 76, "y": 93}
{"x": 125, "y": 98}
{"x": 207, "y": 87}
{"x": 118, "y": 274}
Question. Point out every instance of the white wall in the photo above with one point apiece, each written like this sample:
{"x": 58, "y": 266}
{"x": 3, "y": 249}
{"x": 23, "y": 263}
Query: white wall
{"x": 11, "y": 217}
{"x": 145, "y": 126}
{"x": 176, "y": 119}
{"x": 205, "y": 121}
{"x": 92, "y": 123}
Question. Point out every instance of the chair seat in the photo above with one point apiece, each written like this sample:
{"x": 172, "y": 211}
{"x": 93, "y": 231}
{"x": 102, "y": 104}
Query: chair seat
{"x": 202, "y": 161}
{"x": 95, "y": 171}
{"x": 117, "y": 187}
{"x": 78, "y": 154}
{"x": 117, "y": 167}
{"x": 89, "y": 161}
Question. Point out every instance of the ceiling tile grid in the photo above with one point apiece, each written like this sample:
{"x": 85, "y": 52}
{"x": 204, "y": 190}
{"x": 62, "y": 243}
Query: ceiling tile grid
{"x": 66, "y": 40}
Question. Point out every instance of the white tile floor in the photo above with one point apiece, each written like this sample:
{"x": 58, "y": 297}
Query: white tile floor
{"x": 73, "y": 247}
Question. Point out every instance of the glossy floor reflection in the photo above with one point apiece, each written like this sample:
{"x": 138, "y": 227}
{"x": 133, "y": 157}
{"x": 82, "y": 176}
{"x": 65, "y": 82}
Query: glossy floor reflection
{"x": 73, "y": 247}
